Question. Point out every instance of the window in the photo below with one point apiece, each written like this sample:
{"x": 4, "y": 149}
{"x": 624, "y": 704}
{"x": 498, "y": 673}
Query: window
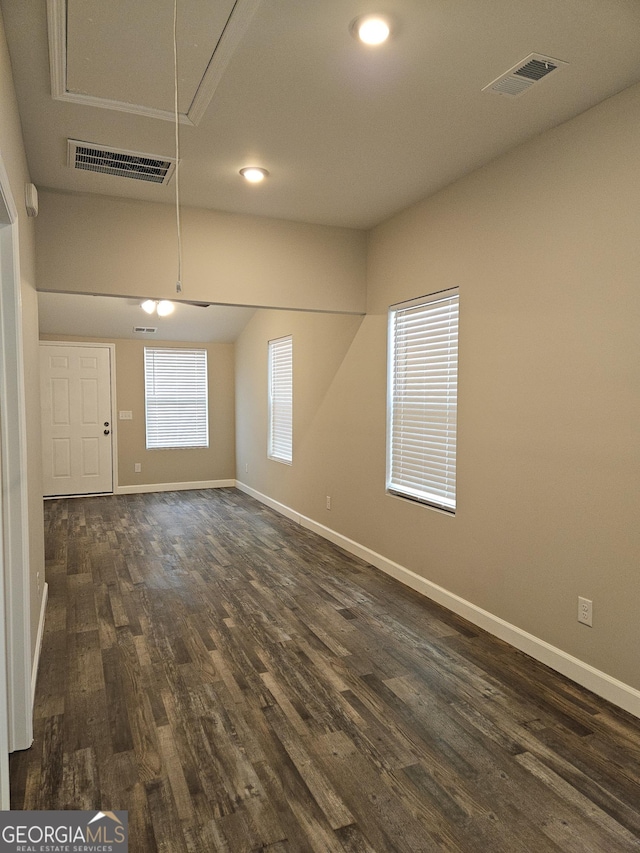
{"x": 281, "y": 400}
{"x": 422, "y": 387}
{"x": 175, "y": 386}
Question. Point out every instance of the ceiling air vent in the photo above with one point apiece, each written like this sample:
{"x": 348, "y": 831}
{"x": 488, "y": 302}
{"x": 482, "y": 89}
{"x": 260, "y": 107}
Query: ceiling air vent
{"x": 148, "y": 330}
{"x": 123, "y": 164}
{"x": 524, "y": 75}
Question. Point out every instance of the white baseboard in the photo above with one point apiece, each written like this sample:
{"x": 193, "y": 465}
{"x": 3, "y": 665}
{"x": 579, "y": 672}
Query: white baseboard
{"x": 281, "y": 508}
{"x": 173, "y": 487}
{"x": 38, "y": 649}
{"x": 600, "y": 683}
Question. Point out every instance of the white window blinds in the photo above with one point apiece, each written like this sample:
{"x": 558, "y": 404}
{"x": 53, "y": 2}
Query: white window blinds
{"x": 176, "y": 397}
{"x": 423, "y": 372}
{"x": 281, "y": 399}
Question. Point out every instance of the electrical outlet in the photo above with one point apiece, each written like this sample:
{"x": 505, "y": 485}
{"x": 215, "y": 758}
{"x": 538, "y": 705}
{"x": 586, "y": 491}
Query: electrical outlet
{"x": 246, "y": 467}
{"x": 137, "y": 468}
{"x": 328, "y": 502}
{"x": 585, "y": 611}
{"x": 38, "y": 580}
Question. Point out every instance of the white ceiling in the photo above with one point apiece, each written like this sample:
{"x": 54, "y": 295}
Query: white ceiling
{"x": 142, "y": 75}
{"x": 349, "y": 134}
{"x": 113, "y": 317}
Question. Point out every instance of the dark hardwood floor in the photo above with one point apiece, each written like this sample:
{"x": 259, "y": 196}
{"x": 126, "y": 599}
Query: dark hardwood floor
{"x": 239, "y": 684}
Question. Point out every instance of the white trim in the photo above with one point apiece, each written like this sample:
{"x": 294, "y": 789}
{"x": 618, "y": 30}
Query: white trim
{"x": 5, "y": 799}
{"x": 57, "y": 35}
{"x": 15, "y": 511}
{"x": 283, "y": 509}
{"x": 172, "y": 487}
{"x": 604, "y": 685}
{"x": 7, "y": 196}
{"x": 38, "y": 649}
{"x": 123, "y": 107}
{"x": 230, "y": 38}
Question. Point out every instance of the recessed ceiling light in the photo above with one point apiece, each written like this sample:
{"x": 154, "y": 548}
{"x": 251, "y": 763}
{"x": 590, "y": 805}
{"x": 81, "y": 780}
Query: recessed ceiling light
{"x": 371, "y": 29}
{"x": 254, "y": 174}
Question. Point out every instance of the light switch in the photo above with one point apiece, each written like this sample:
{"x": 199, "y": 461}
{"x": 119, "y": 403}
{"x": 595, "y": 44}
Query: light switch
{"x": 126, "y": 416}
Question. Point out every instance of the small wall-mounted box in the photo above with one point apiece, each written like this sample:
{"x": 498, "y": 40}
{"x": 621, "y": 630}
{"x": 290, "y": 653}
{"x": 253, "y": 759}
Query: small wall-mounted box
{"x": 125, "y": 416}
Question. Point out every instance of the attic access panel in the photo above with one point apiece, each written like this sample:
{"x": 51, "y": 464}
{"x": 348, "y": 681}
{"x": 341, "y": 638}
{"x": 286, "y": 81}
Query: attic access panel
{"x": 119, "y": 55}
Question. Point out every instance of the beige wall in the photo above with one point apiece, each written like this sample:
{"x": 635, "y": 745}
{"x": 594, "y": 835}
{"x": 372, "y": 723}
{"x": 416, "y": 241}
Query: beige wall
{"x": 320, "y": 344}
{"x": 195, "y": 465}
{"x": 544, "y": 246}
{"x": 13, "y": 156}
{"x": 243, "y": 260}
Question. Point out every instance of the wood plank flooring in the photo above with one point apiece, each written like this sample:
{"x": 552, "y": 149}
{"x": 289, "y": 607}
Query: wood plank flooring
{"x": 239, "y": 684}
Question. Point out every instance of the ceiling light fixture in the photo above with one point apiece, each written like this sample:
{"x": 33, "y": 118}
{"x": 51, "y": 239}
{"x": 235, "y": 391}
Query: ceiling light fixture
{"x": 162, "y": 307}
{"x": 165, "y": 308}
{"x": 254, "y": 174}
{"x": 371, "y": 29}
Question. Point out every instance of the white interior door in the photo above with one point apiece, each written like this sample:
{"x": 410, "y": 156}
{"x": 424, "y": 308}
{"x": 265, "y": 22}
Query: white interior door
{"x": 77, "y": 451}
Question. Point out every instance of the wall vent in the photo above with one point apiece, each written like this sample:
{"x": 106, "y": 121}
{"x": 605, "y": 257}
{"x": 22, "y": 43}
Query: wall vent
{"x": 524, "y": 75}
{"x": 123, "y": 164}
{"x": 148, "y": 330}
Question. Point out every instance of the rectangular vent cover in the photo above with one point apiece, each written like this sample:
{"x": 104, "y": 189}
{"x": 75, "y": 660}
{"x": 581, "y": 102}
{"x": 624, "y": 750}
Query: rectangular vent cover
{"x": 149, "y": 330}
{"x": 524, "y": 75}
{"x": 123, "y": 164}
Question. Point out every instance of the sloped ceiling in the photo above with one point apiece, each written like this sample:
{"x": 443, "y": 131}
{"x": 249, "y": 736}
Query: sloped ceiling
{"x": 114, "y": 318}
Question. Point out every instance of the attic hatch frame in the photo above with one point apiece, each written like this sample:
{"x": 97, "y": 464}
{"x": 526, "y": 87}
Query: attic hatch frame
{"x": 235, "y": 28}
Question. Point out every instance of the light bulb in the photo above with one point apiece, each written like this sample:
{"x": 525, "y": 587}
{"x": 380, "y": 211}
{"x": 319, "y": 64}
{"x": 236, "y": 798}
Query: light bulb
{"x": 165, "y": 308}
{"x": 254, "y": 174}
{"x": 372, "y": 30}
{"x": 149, "y": 306}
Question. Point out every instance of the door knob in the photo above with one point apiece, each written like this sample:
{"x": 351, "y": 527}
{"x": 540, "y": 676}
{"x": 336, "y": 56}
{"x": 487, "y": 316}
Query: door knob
{"x": 106, "y": 423}
{"x": 106, "y": 432}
